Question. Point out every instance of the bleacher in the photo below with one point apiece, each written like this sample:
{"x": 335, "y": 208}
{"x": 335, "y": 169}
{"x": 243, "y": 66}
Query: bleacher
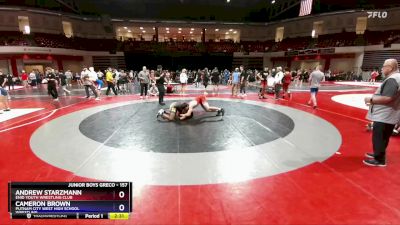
{"x": 15, "y": 38}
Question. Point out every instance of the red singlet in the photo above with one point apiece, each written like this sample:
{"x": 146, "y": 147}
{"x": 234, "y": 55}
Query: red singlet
{"x": 201, "y": 99}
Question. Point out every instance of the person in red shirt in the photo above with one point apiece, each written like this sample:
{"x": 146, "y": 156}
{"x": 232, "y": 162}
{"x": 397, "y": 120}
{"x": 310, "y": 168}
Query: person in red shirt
{"x": 374, "y": 75}
{"x": 24, "y": 78}
{"x": 287, "y": 79}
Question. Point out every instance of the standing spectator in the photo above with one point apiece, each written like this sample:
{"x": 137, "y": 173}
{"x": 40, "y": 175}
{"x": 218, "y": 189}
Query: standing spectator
{"x": 4, "y": 104}
{"x": 52, "y": 83}
{"x": 10, "y": 81}
{"x": 144, "y": 79}
{"x": 215, "y": 79}
{"x": 315, "y": 79}
{"x": 32, "y": 79}
{"x": 100, "y": 75}
{"x": 78, "y": 79}
{"x": 298, "y": 80}
{"x": 206, "y": 79}
{"x": 278, "y": 82}
{"x": 262, "y": 76}
{"x": 183, "y": 78}
{"x": 89, "y": 82}
{"x": 160, "y": 80}
{"x": 153, "y": 90}
{"x": 374, "y": 75}
{"x": 198, "y": 78}
{"x": 110, "y": 82}
{"x": 64, "y": 82}
{"x": 287, "y": 79}
{"x": 384, "y": 112}
{"x": 24, "y": 78}
{"x": 235, "y": 81}
{"x": 243, "y": 81}
{"x": 68, "y": 76}
{"x": 226, "y": 76}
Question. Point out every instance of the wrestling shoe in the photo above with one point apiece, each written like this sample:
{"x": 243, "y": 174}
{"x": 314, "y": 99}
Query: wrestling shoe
{"x": 373, "y": 162}
{"x": 221, "y": 112}
{"x": 160, "y": 112}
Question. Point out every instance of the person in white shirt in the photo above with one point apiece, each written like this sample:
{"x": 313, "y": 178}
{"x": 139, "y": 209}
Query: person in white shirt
{"x": 278, "y": 81}
{"x": 89, "y": 78}
{"x": 183, "y": 78}
{"x": 68, "y": 75}
{"x": 100, "y": 75}
{"x": 32, "y": 78}
{"x": 315, "y": 82}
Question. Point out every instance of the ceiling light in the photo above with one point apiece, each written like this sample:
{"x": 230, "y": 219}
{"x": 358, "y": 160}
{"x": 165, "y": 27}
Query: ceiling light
{"x": 179, "y": 28}
{"x": 125, "y": 28}
{"x": 191, "y": 32}
{"x": 273, "y": 2}
{"x": 167, "y": 31}
{"x": 227, "y": 33}
{"x": 179, "y": 32}
{"x": 144, "y": 31}
{"x": 191, "y": 28}
{"x": 235, "y": 32}
{"x": 129, "y": 31}
{"x": 154, "y": 28}
{"x": 141, "y": 28}
{"x": 230, "y": 30}
{"x": 227, "y": 1}
{"x": 167, "y": 28}
{"x": 217, "y": 29}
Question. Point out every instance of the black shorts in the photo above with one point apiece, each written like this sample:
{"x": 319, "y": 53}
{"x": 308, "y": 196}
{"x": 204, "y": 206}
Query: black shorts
{"x": 215, "y": 81}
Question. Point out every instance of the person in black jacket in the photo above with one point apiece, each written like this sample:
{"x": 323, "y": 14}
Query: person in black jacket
{"x": 160, "y": 80}
{"x": 10, "y": 81}
{"x": 52, "y": 83}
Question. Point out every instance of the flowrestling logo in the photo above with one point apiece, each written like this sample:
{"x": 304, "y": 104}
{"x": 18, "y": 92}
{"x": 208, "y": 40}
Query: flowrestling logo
{"x": 380, "y": 15}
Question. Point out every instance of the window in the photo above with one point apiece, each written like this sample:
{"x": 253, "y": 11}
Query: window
{"x": 279, "y": 34}
{"x": 67, "y": 27}
{"x": 317, "y": 29}
{"x": 23, "y": 22}
{"x": 361, "y": 25}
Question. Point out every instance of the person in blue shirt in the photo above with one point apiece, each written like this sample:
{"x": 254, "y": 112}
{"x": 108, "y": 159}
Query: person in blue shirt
{"x": 226, "y": 76}
{"x": 235, "y": 81}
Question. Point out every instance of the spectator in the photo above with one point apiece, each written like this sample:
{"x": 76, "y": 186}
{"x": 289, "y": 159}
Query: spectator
{"x": 384, "y": 112}
{"x": 278, "y": 81}
{"x": 24, "y": 78}
{"x": 32, "y": 79}
{"x": 110, "y": 82}
{"x": 287, "y": 79}
{"x": 315, "y": 82}
{"x": 144, "y": 80}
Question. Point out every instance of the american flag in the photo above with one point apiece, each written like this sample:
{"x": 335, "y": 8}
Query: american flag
{"x": 305, "y": 7}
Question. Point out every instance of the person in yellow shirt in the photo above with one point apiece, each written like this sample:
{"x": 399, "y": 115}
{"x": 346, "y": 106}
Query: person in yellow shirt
{"x": 110, "y": 82}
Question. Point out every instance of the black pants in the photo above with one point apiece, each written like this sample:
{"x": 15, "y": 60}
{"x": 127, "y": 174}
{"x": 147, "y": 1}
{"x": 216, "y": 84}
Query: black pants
{"x": 243, "y": 88}
{"x": 110, "y": 85}
{"x": 52, "y": 90}
{"x": 278, "y": 88}
{"x": 143, "y": 87}
{"x": 161, "y": 93}
{"x": 381, "y": 133}
{"x": 10, "y": 85}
